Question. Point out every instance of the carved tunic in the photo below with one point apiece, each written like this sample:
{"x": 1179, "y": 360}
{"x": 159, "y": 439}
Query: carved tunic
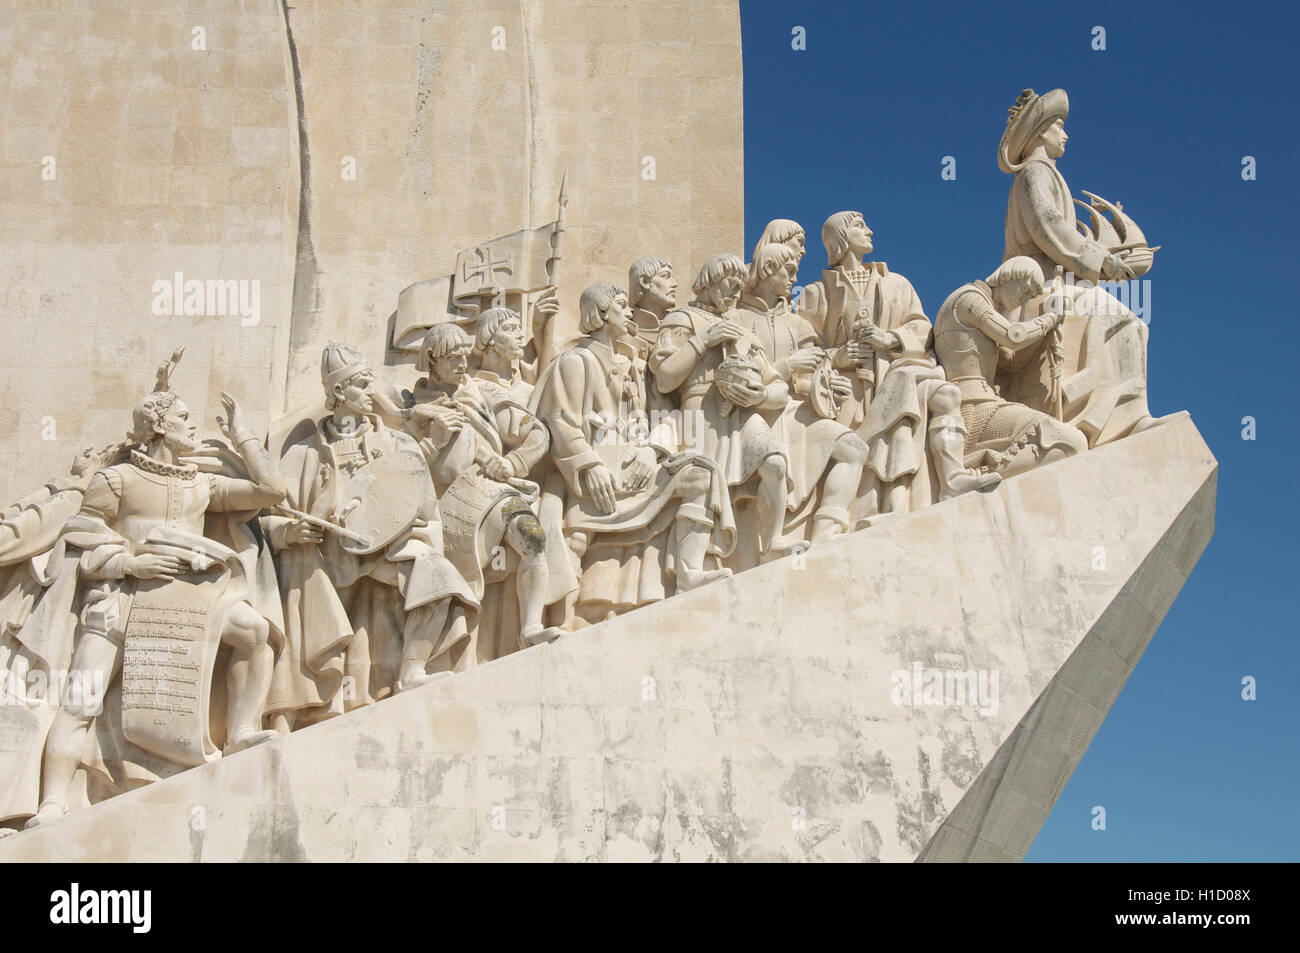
{"x": 740, "y": 441}
{"x": 316, "y": 579}
{"x": 808, "y": 438}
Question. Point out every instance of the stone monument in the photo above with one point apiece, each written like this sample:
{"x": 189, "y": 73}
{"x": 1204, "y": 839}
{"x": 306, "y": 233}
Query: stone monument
{"x": 620, "y": 577}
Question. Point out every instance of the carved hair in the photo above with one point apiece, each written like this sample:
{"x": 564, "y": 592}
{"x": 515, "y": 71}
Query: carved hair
{"x": 835, "y": 234}
{"x": 148, "y": 414}
{"x": 489, "y": 323}
{"x": 444, "y": 340}
{"x": 594, "y": 302}
{"x": 778, "y": 231}
{"x": 643, "y": 269}
{"x": 1016, "y": 269}
{"x": 767, "y": 259}
{"x": 719, "y": 267}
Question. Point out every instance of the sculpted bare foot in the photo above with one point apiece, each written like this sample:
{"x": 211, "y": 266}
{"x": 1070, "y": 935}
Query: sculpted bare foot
{"x": 247, "y": 738}
{"x": 536, "y": 635}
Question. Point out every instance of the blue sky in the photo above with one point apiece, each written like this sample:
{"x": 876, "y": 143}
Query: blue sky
{"x": 1160, "y": 120}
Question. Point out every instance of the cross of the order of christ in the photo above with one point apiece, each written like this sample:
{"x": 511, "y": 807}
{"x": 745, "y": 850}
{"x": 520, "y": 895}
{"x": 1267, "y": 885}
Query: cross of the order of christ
{"x": 487, "y": 266}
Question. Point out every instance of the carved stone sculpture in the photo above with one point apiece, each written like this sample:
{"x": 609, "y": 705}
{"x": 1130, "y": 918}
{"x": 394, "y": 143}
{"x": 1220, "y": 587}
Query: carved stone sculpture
{"x": 1104, "y": 367}
{"x": 724, "y": 415}
{"x": 480, "y": 453}
{"x": 816, "y": 443}
{"x": 969, "y": 332}
{"x": 637, "y": 510}
{"x": 370, "y": 599}
{"x": 651, "y": 293}
{"x": 162, "y": 593}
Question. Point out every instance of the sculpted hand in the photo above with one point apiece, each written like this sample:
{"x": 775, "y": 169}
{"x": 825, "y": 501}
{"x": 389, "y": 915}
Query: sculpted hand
{"x": 152, "y": 567}
{"x": 803, "y": 362}
{"x": 639, "y": 473}
{"x": 499, "y": 469}
{"x": 90, "y": 460}
{"x": 233, "y": 423}
{"x": 598, "y": 483}
{"x": 303, "y": 533}
{"x": 841, "y": 386}
{"x": 720, "y": 332}
{"x": 440, "y": 421}
{"x": 1114, "y": 269}
{"x": 546, "y": 307}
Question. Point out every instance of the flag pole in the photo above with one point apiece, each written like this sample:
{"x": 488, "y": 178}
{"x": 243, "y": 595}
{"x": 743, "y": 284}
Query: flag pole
{"x": 547, "y": 351}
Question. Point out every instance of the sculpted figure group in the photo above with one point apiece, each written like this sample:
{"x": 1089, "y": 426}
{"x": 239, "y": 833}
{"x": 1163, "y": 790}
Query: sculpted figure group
{"x": 206, "y": 597}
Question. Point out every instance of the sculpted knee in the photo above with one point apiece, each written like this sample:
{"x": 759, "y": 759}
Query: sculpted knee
{"x": 527, "y": 534}
{"x": 851, "y": 448}
{"x": 772, "y": 469}
{"x": 695, "y": 480}
{"x": 245, "y": 628}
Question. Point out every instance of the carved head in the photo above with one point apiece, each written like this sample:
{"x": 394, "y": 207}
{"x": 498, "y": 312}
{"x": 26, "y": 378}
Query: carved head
{"x": 1032, "y": 121}
{"x": 846, "y": 232}
{"x": 163, "y": 415}
{"x": 347, "y": 379}
{"x": 500, "y": 331}
{"x": 773, "y": 269}
{"x": 445, "y": 354}
{"x": 783, "y": 231}
{"x": 718, "y": 285}
{"x": 1015, "y": 281}
{"x": 604, "y": 303}
{"x": 650, "y": 285}
{"x": 1053, "y": 139}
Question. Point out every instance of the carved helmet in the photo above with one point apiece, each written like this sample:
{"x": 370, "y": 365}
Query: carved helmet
{"x": 1026, "y": 119}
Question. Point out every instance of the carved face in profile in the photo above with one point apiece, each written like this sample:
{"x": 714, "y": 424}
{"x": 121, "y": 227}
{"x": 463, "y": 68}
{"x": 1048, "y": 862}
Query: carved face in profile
{"x": 795, "y": 244}
{"x": 618, "y": 317}
{"x": 660, "y": 291}
{"x": 858, "y": 236}
{"x": 175, "y": 428}
{"x": 1054, "y": 139}
{"x": 450, "y": 369}
{"x": 508, "y": 339}
{"x": 355, "y": 395}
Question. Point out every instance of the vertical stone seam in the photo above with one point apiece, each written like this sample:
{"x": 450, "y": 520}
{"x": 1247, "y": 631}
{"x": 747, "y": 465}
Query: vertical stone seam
{"x": 305, "y": 286}
{"x": 530, "y": 110}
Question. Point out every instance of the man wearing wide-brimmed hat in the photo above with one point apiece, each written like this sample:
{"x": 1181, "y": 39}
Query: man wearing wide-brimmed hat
{"x": 1098, "y": 382}
{"x": 1040, "y": 213}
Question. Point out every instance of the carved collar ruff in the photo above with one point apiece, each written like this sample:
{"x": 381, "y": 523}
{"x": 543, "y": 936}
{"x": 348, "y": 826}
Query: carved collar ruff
{"x": 150, "y": 465}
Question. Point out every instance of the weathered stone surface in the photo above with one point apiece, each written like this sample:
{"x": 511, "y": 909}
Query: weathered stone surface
{"x": 751, "y": 719}
{"x": 228, "y": 163}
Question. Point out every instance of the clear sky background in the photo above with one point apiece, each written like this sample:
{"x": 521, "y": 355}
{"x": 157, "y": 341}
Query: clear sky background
{"x": 1160, "y": 120}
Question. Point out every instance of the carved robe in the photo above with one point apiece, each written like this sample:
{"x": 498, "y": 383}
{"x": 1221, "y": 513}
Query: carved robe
{"x": 808, "y": 438}
{"x": 1104, "y": 391}
{"x": 474, "y": 521}
{"x": 888, "y": 406}
{"x": 332, "y": 595}
{"x": 595, "y": 404}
